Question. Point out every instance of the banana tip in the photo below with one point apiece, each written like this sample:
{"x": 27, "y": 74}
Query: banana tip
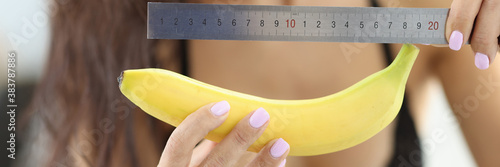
{"x": 120, "y": 79}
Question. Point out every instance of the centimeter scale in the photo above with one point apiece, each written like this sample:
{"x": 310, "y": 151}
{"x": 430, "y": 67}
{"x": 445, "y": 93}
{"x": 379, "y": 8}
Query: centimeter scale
{"x": 296, "y": 23}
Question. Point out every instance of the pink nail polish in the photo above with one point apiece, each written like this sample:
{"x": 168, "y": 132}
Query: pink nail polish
{"x": 279, "y": 148}
{"x": 283, "y": 163}
{"x": 482, "y": 61}
{"x": 220, "y": 108}
{"x": 259, "y": 118}
{"x": 456, "y": 40}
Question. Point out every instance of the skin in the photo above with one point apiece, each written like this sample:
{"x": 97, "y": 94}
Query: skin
{"x": 485, "y": 35}
{"x": 179, "y": 149}
{"x": 309, "y": 70}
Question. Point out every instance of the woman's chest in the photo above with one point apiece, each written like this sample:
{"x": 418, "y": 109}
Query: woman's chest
{"x": 283, "y": 70}
{"x": 295, "y": 70}
{"x": 291, "y": 70}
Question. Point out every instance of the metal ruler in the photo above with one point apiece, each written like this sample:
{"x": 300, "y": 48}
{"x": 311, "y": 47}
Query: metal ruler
{"x": 296, "y": 23}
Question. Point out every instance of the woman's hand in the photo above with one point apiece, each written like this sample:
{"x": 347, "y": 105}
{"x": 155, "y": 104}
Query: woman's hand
{"x": 485, "y": 34}
{"x": 180, "y": 149}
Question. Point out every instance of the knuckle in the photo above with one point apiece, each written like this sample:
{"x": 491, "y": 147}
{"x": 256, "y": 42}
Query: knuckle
{"x": 460, "y": 18}
{"x": 493, "y": 4}
{"x": 481, "y": 39}
{"x": 216, "y": 160}
{"x": 204, "y": 119}
{"x": 220, "y": 161}
{"x": 241, "y": 138}
{"x": 173, "y": 145}
{"x": 263, "y": 163}
{"x": 195, "y": 117}
{"x": 191, "y": 119}
{"x": 197, "y": 122}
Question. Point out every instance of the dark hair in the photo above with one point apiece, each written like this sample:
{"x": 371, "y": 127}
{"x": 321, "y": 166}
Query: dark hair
{"x": 77, "y": 106}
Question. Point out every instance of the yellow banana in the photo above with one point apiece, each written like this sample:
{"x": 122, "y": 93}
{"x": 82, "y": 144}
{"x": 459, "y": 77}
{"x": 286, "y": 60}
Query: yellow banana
{"x": 311, "y": 126}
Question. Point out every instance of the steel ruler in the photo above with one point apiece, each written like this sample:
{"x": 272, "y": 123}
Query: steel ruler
{"x": 296, "y": 23}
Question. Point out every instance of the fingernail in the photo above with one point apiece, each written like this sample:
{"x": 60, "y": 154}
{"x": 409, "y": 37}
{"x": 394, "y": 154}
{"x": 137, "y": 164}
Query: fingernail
{"x": 259, "y": 118}
{"x": 482, "y": 61}
{"x": 220, "y": 108}
{"x": 283, "y": 163}
{"x": 279, "y": 148}
{"x": 456, "y": 40}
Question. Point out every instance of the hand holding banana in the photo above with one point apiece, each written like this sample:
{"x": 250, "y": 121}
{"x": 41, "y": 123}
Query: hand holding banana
{"x": 179, "y": 149}
{"x": 310, "y": 127}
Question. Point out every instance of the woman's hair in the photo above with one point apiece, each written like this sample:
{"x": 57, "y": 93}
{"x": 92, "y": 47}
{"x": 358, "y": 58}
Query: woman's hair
{"x": 78, "y": 115}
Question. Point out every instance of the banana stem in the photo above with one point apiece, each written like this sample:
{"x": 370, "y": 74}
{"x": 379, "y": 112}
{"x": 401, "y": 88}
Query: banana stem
{"x": 404, "y": 61}
{"x": 120, "y": 79}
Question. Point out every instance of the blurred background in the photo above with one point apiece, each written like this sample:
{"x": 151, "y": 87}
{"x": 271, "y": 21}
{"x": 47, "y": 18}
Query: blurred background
{"x": 24, "y": 28}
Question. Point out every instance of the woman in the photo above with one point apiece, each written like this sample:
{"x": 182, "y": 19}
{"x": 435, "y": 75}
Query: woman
{"x": 81, "y": 119}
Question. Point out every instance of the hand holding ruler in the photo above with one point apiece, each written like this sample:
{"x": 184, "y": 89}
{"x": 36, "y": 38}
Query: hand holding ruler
{"x": 296, "y": 23}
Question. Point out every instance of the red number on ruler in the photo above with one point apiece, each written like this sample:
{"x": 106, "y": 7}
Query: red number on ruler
{"x": 290, "y": 23}
{"x": 433, "y": 25}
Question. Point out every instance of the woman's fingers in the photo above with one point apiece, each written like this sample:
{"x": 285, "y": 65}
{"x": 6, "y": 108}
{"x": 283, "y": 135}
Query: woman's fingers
{"x": 480, "y": 16}
{"x": 486, "y": 31}
{"x": 273, "y": 154}
{"x": 180, "y": 145}
{"x": 244, "y": 134}
{"x": 179, "y": 148}
{"x": 201, "y": 151}
{"x": 460, "y": 21}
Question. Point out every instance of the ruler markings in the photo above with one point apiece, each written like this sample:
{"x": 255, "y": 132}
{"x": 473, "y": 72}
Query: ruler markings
{"x": 352, "y": 24}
